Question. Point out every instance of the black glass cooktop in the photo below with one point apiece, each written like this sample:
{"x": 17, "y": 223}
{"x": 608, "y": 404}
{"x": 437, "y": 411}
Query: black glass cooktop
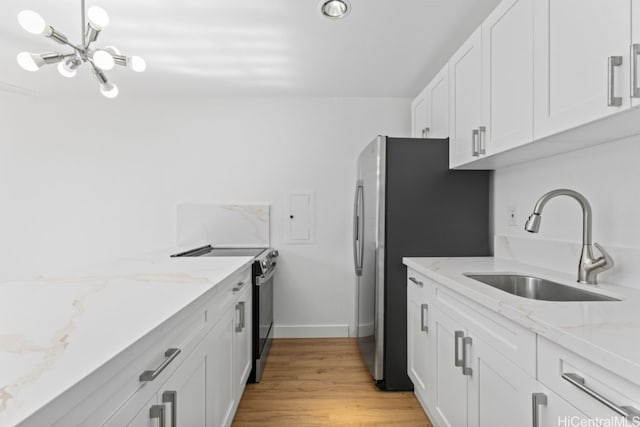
{"x": 214, "y": 251}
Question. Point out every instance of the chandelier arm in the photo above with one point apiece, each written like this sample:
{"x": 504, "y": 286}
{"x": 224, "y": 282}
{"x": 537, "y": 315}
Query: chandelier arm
{"x": 84, "y": 24}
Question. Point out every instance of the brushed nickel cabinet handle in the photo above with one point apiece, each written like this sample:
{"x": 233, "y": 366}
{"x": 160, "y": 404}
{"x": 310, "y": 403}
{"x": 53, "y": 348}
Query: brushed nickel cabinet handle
{"x": 241, "y": 323}
{"x": 425, "y": 132}
{"x": 458, "y": 335}
{"x": 475, "y": 150}
{"x": 157, "y": 412}
{"x": 635, "y": 52}
{"x": 466, "y": 341}
{"x": 239, "y": 287}
{"x": 612, "y": 99}
{"x": 169, "y": 355}
{"x": 482, "y": 131}
{"x": 172, "y": 397}
{"x": 424, "y": 327}
{"x": 629, "y": 412}
{"x": 416, "y": 281}
{"x": 537, "y": 400}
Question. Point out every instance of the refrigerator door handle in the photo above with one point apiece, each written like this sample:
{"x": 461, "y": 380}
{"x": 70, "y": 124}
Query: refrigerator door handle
{"x": 357, "y": 229}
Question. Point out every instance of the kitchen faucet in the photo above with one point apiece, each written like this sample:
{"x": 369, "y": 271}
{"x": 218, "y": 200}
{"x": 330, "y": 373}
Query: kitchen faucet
{"x": 589, "y": 266}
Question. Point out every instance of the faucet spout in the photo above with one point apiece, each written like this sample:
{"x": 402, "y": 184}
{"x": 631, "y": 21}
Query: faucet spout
{"x": 533, "y": 224}
{"x": 589, "y": 266}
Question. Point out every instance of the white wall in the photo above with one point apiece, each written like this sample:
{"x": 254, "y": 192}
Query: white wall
{"x": 608, "y": 175}
{"x": 89, "y": 180}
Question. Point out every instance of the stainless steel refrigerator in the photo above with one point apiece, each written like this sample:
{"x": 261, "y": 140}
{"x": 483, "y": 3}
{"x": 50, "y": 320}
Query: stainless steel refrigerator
{"x": 407, "y": 204}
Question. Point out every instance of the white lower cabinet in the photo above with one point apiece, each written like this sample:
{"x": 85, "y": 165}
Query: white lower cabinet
{"x": 471, "y": 367}
{"x": 419, "y": 339}
{"x": 203, "y": 383}
{"x": 499, "y": 392}
{"x": 242, "y": 338}
{"x": 450, "y": 395}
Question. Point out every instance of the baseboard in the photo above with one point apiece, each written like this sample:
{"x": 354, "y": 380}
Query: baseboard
{"x": 310, "y": 331}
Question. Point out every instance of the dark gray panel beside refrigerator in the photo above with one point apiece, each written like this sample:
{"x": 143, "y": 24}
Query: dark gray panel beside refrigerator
{"x": 408, "y": 203}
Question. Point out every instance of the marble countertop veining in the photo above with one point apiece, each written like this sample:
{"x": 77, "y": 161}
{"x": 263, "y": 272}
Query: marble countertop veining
{"x": 55, "y": 331}
{"x": 605, "y": 332}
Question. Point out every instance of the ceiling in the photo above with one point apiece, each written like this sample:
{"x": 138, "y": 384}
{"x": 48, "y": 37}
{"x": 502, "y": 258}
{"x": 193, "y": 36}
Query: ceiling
{"x": 383, "y": 48}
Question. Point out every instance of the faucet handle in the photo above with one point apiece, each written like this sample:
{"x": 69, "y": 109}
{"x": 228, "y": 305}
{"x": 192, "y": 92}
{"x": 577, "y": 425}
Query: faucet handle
{"x": 605, "y": 261}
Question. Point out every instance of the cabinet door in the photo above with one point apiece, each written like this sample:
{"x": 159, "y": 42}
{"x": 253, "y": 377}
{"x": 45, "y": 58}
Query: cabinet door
{"x": 438, "y": 97}
{"x": 450, "y": 386}
{"x": 184, "y": 394}
{"x": 499, "y": 392}
{"x": 242, "y": 355}
{"x": 635, "y": 51}
{"x": 420, "y": 115}
{"x": 418, "y": 344}
{"x": 573, "y": 42}
{"x": 465, "y": 98}
{"x": 507, "y": 49}
{"x": 220, "y": 376}
{"x": 557, "y": 411}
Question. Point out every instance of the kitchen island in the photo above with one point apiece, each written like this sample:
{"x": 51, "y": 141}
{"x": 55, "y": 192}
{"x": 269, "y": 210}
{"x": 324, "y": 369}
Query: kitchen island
{"x": 66, "y": 342}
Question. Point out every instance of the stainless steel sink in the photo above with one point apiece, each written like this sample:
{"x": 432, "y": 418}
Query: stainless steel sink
{"x": 536, "y": 288}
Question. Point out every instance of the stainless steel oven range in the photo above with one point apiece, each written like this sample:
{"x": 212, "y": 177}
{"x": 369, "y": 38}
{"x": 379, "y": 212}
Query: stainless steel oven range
{"x": 263, "y": 269}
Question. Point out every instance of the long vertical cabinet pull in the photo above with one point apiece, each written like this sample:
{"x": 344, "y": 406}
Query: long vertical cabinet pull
{"x": 482, "y": 131}
{"x": 466, "y": 341}
{"x": 243, "y": 316}
{"x": 612, "y": 99}
{"x": 635, "y": 52}
{"x": 424, "y": 313}
{"x": 458, "y": 336}
{"x": 157, "y": 412}
{"x": 537, "y": 400}
{"x": 356, "y": 228}
{"x": 475, "y": 150}
{"x": 172, "y": 398}
{"x": 240, "y": 310}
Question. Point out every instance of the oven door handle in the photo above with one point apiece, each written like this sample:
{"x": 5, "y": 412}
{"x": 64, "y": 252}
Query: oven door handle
{"x": 265, "y": 277}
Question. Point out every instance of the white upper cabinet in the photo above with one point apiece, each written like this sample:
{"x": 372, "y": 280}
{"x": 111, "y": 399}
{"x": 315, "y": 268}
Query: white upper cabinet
{"x": 430, "y": 109}
{"x": 635, "y": 52}
{"x": 507, "y": 77}
{"x": 420, "y": 115}
{"x": 438, "y": 110}
{"x": 581, "y": 62}
{"x": 465, "y": 100}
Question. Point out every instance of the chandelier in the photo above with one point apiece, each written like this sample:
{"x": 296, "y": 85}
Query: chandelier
{"x": 100, "y": 59}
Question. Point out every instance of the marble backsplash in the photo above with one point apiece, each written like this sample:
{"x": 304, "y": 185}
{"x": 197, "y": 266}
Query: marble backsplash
{"x": 563, "y": 256}
{"x": 222, "y": 225}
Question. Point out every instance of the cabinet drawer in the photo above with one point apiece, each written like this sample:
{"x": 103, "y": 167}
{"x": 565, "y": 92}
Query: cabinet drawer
{"x": 516, "y": 343}
{"x": 225, "y": 294}
{"x": 420, "y": 285}
{"x": 555, "y": 361}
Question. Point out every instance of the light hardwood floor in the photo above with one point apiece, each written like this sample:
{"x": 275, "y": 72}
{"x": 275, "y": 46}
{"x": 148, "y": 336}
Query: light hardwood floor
{"x": 323, "y": 382}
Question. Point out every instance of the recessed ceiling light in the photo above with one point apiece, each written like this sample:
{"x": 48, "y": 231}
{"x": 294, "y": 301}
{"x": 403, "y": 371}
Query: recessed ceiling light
{"x": 335, "y": 9}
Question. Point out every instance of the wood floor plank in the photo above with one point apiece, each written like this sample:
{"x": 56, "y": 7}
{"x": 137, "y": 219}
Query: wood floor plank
{"x": 323, "y": 382}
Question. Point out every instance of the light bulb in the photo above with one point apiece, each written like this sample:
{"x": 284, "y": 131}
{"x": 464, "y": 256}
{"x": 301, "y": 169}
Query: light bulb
{"x": 109, "y": 90}
{"x": 138, "y": 64}
{"x": 103, "y": 60}
{"x": 65, "y": 69}
{"x": 32, "y": 22}
{"x": 30, "y": 61}
{"x": 98, "y": 17}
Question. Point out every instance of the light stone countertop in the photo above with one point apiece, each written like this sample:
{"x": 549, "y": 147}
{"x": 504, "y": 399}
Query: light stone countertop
{"x": 55, "y": 331}
{"x": 605, "y": 332}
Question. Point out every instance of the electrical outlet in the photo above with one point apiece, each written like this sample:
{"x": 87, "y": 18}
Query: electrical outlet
{"x": 512, "y": 217}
